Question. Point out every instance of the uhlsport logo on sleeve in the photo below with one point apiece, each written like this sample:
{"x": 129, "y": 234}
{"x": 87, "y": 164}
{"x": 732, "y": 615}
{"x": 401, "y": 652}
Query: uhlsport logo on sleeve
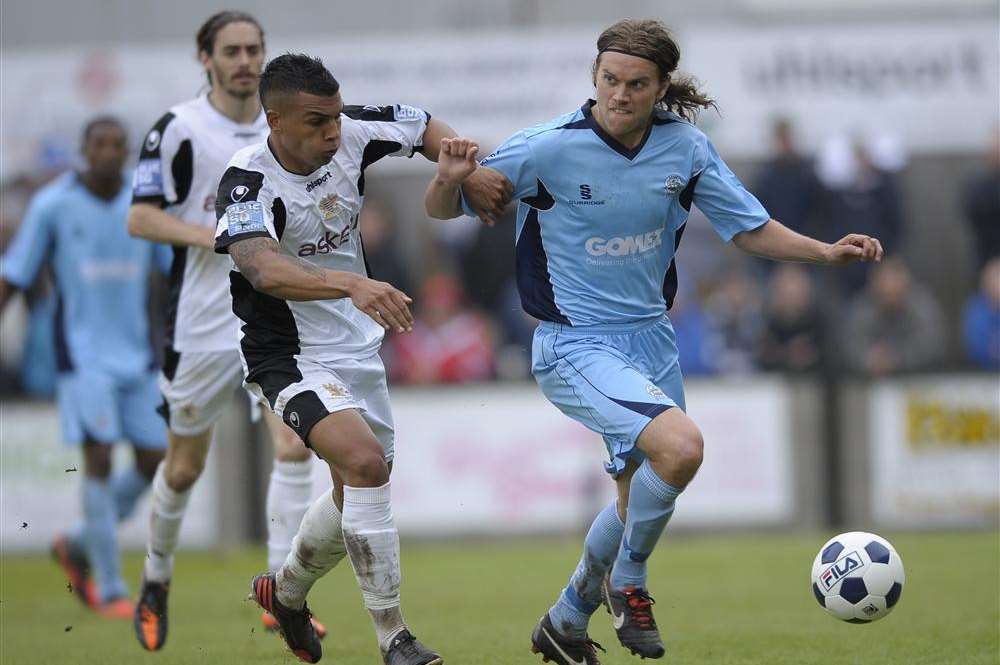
{"x": 841, "y": 568}
{"x": 239, "y": 191}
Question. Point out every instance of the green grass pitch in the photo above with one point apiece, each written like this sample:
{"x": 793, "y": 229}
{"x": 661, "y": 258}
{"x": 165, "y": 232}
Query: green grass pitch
{"x": 739, "y": 600}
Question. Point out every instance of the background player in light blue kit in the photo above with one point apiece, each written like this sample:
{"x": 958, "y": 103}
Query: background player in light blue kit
{"x": 605, "y": 193}
{"x": 107, "y": 384}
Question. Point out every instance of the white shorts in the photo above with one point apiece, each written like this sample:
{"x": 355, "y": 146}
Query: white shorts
{"x": 303, "y": 391}
{"x": 197, "y": 387}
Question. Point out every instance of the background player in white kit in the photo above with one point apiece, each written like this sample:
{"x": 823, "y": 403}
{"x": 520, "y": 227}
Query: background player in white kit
{"x": 182, "y": 159}
{"x": 313, "y": 323}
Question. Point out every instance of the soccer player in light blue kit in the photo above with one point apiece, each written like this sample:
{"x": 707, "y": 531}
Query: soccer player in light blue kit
{"x": 604, "y": 195}
{"x": 107, "y": 384}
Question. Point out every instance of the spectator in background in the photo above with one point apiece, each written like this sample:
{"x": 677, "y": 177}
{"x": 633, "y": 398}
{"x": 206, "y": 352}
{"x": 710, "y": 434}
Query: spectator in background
{"x": 487, "y": 264}
{"x": 734, "y": 316}
{"x": 867, "y": 202}
{"x": 513, "y": 360}
{"x": 787, "y": 184}
{"x": 382, "y": 254}
{"x": 792, "y": 339}
{"x": 449, "y": 343}
{"x": 981, "y": 320}
{"x": 982, "y": 207}
{"x": 894, "y": 325}
{"x": 697, "y": 344}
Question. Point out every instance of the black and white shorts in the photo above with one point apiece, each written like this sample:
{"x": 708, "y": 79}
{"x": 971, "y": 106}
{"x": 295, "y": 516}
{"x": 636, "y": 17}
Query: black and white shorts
{"x": 302, "y": 391}
{"x": 197, "y": 387}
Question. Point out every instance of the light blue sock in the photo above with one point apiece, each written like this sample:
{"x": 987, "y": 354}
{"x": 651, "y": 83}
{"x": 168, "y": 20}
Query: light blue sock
{"x": 581, "y": 598}
{"x": 127, "y": 486}
{"x": 100, "y": 518}
{"x": 650, "y": 505}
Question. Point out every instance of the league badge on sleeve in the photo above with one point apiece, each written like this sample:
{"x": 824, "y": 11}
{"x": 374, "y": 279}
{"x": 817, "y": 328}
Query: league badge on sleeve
{"x": 148, "y": 178}
{"x": 245, "y": 217}
{"x": 404, "y": 112}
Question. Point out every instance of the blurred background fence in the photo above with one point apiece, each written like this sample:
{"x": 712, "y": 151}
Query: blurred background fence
{"x": 859, "y": 397}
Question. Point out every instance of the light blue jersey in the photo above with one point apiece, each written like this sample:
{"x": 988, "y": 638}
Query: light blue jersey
{"x": 101, "y": 276}
{"x": 598, "y": 224}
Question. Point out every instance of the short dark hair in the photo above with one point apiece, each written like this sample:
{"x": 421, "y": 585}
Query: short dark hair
{"x": 209, "y": 30}
{"x": 296, "y": 72}
{"x": 100, "y": 121}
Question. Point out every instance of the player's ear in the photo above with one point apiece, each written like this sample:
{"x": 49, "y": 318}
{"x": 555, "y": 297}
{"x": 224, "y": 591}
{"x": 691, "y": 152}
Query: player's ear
{"x": 664, "y": 86}
{"x": 273, "y": 120}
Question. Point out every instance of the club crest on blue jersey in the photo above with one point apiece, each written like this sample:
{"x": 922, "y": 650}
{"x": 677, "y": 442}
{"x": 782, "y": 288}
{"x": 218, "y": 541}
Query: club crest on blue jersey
{"x": 245, "y": 217}
{"x": 674, "y": 185}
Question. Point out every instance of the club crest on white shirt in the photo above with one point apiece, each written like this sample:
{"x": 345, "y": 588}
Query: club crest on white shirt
{"x": 333, "y": 208}
{"x": 328, "y": 206}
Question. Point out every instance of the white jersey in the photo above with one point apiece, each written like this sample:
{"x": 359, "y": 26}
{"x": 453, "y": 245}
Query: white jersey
{"x": 314, "y": 217}
{"x": 183, "y": 158}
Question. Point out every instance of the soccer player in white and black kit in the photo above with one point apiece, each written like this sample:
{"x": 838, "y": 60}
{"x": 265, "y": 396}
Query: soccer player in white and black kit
{"x": 182, "y": 159}
{"x": 313, "y": 323}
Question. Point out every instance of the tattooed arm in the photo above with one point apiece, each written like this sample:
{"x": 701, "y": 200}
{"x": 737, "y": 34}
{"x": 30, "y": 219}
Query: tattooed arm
{"x": 271, "y": 271}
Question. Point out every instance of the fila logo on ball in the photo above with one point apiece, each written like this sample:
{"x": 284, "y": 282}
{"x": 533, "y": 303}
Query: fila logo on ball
{"x": 840, "y": 569}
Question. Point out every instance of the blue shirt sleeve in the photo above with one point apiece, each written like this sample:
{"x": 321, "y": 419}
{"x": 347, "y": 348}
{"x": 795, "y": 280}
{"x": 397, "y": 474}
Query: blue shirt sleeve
{"x": 515, "y": 161}
{"x": 25, "y": 256}
{"x": 721, "y": 196}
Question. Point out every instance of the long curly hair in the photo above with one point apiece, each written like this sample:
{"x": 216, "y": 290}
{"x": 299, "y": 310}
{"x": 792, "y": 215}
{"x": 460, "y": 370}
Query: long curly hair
{"x": 651, "y": 40}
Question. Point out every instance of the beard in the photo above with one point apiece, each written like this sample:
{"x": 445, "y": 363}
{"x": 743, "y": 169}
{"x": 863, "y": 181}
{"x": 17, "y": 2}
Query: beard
{"x": 230, "y": 87}
{"x": 240, "y": 93}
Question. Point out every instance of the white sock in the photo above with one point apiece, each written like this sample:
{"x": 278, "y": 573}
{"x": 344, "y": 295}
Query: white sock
{"x": 317, "y": 548}
{"x": 288, "y": 496}
{"x": 164, "y": 527}
{"x": 373, "y": 546}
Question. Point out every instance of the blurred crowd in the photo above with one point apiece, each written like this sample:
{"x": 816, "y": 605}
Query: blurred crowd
{"x": 733, "y": 314}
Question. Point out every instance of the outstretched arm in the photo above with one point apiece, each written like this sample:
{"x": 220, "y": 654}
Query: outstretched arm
{"x": 456, "y": 163}
{"x": 436, "y": 130}
{"x": 774, "y": 240}
{"x": 486, "y": 190}
{"x": 145, "y": 220}
{"x": 271, "y": 271}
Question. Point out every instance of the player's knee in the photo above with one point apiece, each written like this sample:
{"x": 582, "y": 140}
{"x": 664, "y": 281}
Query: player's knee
{"x": 147, "y": 461}
{"x": 97, "y": 460}
{"x": 678, "y": 452}
{"x": 366, "y": 468}
{"x": 289, "y": 448}
{"x": 181, "y": 473}
{"x": 690, "y": 451}
{"x": 301, "y": 454}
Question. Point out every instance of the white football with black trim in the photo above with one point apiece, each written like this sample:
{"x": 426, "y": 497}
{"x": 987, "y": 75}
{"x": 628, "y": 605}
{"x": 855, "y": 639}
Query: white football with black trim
{"x": 858, "y": 577}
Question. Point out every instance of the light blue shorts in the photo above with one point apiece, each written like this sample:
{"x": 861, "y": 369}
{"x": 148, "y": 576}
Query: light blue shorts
{"x": 105, "y": 409}
{"x": 612, "y": 379}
